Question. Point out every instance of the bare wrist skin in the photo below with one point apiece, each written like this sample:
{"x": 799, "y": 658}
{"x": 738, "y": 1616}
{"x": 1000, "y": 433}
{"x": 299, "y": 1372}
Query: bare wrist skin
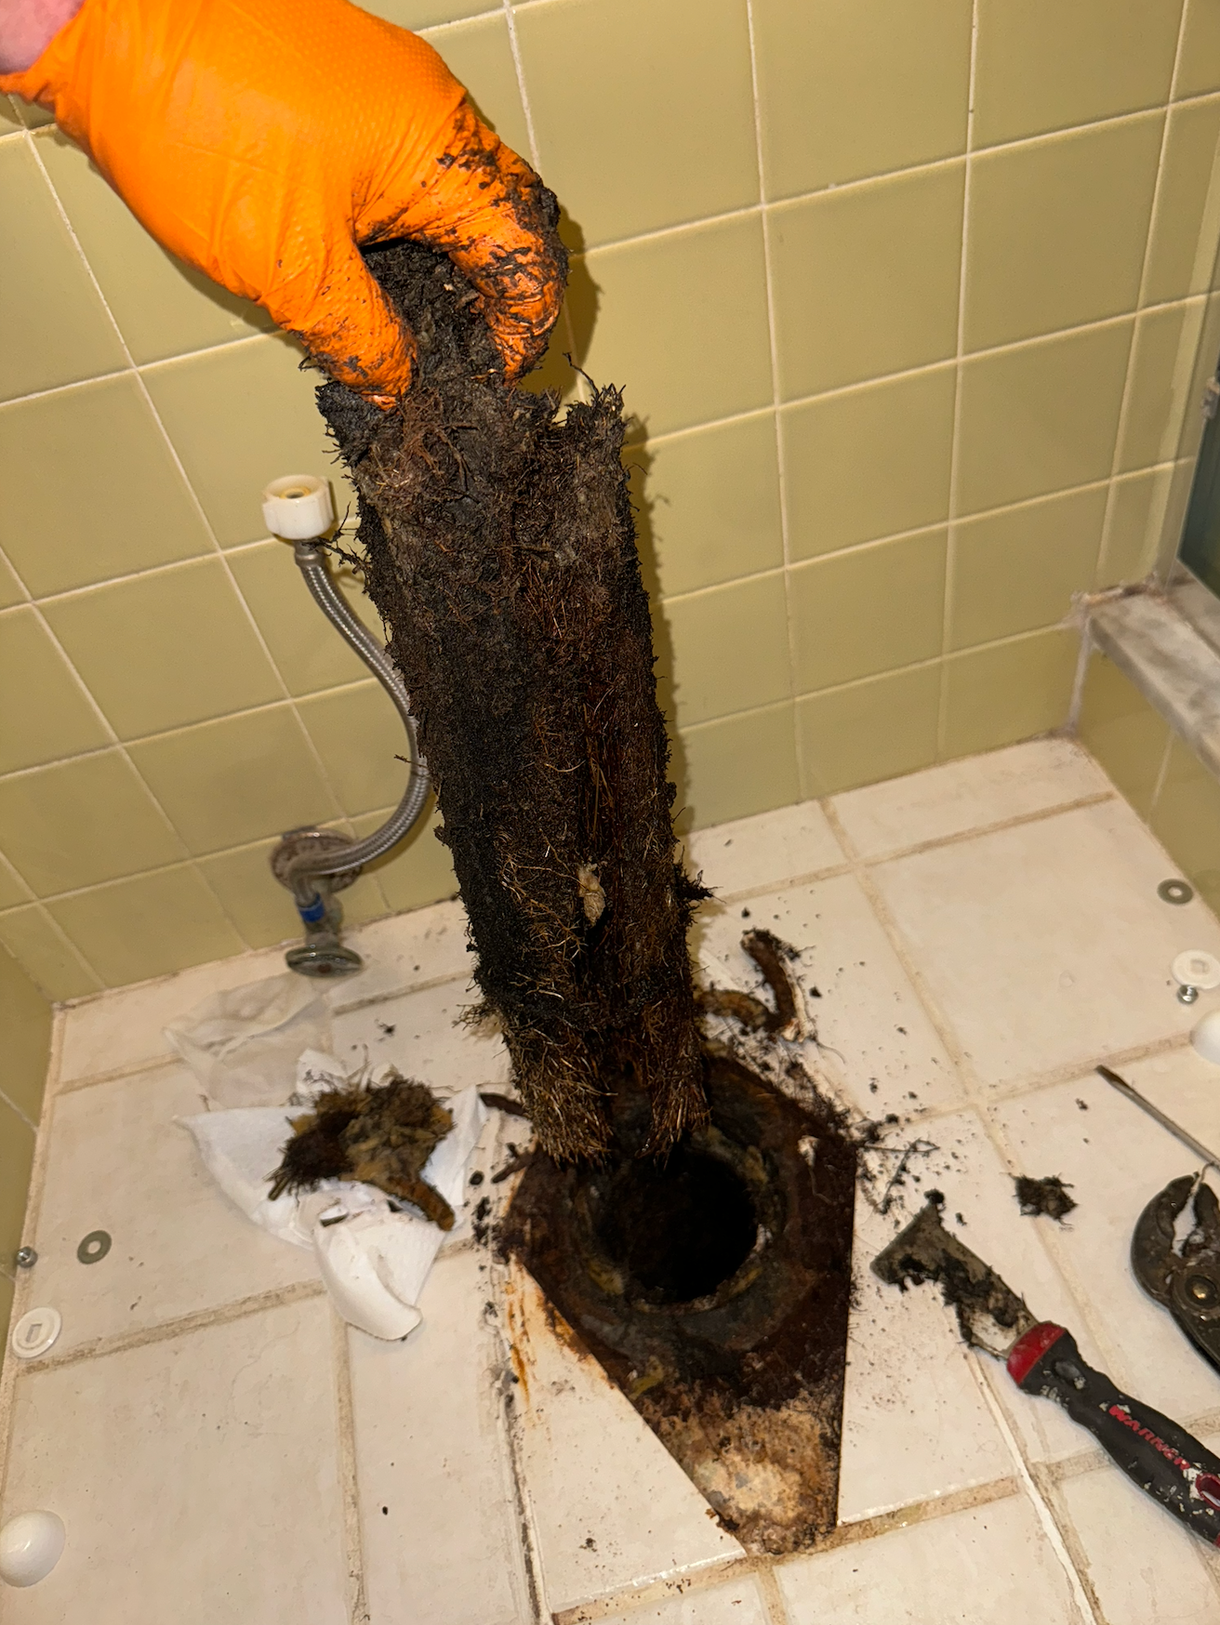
{"x": 27, "y": 27}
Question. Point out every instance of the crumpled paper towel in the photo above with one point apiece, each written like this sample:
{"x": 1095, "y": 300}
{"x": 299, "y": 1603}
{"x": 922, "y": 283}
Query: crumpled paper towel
{"x": 242, "y": 1044}
{"x": 374, "y": 1259}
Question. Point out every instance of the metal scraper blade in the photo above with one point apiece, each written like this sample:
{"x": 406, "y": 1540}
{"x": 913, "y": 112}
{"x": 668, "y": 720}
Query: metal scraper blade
{"x": 989, "y": 1313}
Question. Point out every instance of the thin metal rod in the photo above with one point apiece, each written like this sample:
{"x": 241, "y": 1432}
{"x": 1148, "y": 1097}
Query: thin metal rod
{"x": 1176, "y": 1129}
{"x": 311, "y": 561}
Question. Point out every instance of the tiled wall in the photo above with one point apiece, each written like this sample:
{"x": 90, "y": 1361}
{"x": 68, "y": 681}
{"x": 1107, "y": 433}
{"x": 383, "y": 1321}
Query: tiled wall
{"x": 910, "y": 301}
{"x": 25, "y": 1022}
{"x": 1158, "y": 773}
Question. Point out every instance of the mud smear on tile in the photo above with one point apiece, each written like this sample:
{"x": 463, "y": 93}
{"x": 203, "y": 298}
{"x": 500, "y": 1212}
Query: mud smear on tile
{"x": 713, "y": 1287}
{"x": 497, "y": 542}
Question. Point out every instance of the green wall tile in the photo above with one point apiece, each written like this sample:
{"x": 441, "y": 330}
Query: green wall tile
{"x": 708, "y": 505}
{"x": 1004, "y": 692}
{"x": 418, "y": 871}
{"x": 147, "y": 926}
{"x": 82, "y": 821}
{"x": 213, "y": 784}
{"x": 16, "y": 1159}
{"x": 239, "y": 417}
{"x": 668, "y": 135}
{"x": 26, "y": 1017}
{"x": 838, "y": 98}
{"x": 417, "y": 14}
{"x": 1057, "y": 231}
{"x": 308, "y": 652}
{"x": 1043, "y": 66}
{"x": 868, "y": 731}
{"x": 1140, "y": 506}
{"x": 262, "y": 909}
{"x": 1176, "y": 266}
{"x": 165, "y": 649}
{"x": 1186, "y": 820}
{"x": 679, "y": 321}
{"x": 55, "y": 326}
{"x": 1041, "y": 417}
{"x": 868, "y": 462}
{"x": 480, "y": 55}
{"x": 1154, "y": 413}
{"x": 866, "y": 279}
{"x": 163, "y": 306}
{"x": 868, "y": 611}
{"x": 13, "y": 889}
{"x": 11, "y": 591}
{"x": 360, "y": 738}
{"x": 45, "y": 713}
{"x": 1199, "y": 59}
{"x": 735, "y": 767}
{"x": 41, "y": 949}
{"x": 1016, "y": 570}
{"x": 730, "y": 649}
{"x": 91, "y": 490}
{"x": 1118, "y": 726}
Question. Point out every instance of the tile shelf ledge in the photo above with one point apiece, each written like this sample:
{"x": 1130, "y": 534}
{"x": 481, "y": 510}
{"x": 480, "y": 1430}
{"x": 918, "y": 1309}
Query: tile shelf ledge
{"x": 1168, "y": 645}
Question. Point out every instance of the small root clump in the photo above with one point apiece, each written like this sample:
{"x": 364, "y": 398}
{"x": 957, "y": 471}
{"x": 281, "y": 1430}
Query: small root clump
{"x": 379, "y": 1135}
{"x": 1047, "y": 1196}
{"x": 498, "y": 545}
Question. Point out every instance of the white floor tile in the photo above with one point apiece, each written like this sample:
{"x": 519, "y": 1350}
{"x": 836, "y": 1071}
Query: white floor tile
{"x": 872, "y": 1029}
{"x": 437, "y": 1511}
{"x": 404, "y": 950}
{"x": 1144, "y": 1567}
{"x": 423, "y": 1035}
{"x": 198, "y": 1479}
{"x": 1046, "y": 946}
{"x": 118, "y": 1162}
{"x": 736, "y": 1604}
{"x": 915, "y": 1422}
{"x": 610, "y": 1505}
{"x": 991, "y": 1565}
{"x": 966, "y": 795}
{"x": 764, "y": 850}
{"x": 121, "y": 1030}
{"x": 1116, "y": 1159}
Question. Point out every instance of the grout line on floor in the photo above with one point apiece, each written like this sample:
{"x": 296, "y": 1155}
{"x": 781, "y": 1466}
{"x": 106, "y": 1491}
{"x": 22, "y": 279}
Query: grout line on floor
{"x": 511, "y": 1425}
{"x": 723, "y": 1572}
{"x": 87, "y": 1080}
{"x": 772, "y": 1597}
{"x": 353, "y": 1543}
{"x": 1078, "y": 1584}
{"x": 182, "y": 1326}
{"x": 1036, "y": 816}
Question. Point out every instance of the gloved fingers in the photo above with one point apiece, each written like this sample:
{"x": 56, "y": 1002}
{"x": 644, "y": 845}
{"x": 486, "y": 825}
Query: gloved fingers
{"x": 488, "y": 210}
{"x": 343, "y": 319}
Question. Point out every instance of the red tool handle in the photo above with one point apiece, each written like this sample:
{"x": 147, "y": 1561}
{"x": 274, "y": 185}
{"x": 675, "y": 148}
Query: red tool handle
{"x": 1166, "y": 1462}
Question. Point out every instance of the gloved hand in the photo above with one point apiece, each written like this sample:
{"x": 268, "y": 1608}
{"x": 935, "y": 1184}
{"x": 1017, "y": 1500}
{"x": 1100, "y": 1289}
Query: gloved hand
{"x": 262, "y": 140}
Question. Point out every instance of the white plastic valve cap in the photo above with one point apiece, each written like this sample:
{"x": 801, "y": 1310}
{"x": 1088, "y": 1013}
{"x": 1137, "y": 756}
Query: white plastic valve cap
{"x": 1197, "y": 968}
{"x": 30, "y": 1546}
{"x": 1206, "y": 1037}
{"x": 298, "y": 507}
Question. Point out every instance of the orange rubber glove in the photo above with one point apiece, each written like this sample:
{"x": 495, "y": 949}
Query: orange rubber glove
{"x": 262, "y": 140}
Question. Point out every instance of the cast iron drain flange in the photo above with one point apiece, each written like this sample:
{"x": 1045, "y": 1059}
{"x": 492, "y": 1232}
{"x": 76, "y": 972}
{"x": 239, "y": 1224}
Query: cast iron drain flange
{"x": 714, "y": 1290}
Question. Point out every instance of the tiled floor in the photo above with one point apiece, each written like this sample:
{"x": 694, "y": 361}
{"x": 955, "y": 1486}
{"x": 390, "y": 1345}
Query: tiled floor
{"x": 222, "y": 1449}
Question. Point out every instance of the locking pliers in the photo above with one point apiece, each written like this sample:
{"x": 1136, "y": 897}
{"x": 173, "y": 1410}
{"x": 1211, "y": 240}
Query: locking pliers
{"x": 1185, "y": 1280}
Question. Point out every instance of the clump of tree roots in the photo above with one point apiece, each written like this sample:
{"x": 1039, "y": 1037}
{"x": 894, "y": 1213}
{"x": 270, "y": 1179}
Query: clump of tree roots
{"x": 498, "y": 544}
